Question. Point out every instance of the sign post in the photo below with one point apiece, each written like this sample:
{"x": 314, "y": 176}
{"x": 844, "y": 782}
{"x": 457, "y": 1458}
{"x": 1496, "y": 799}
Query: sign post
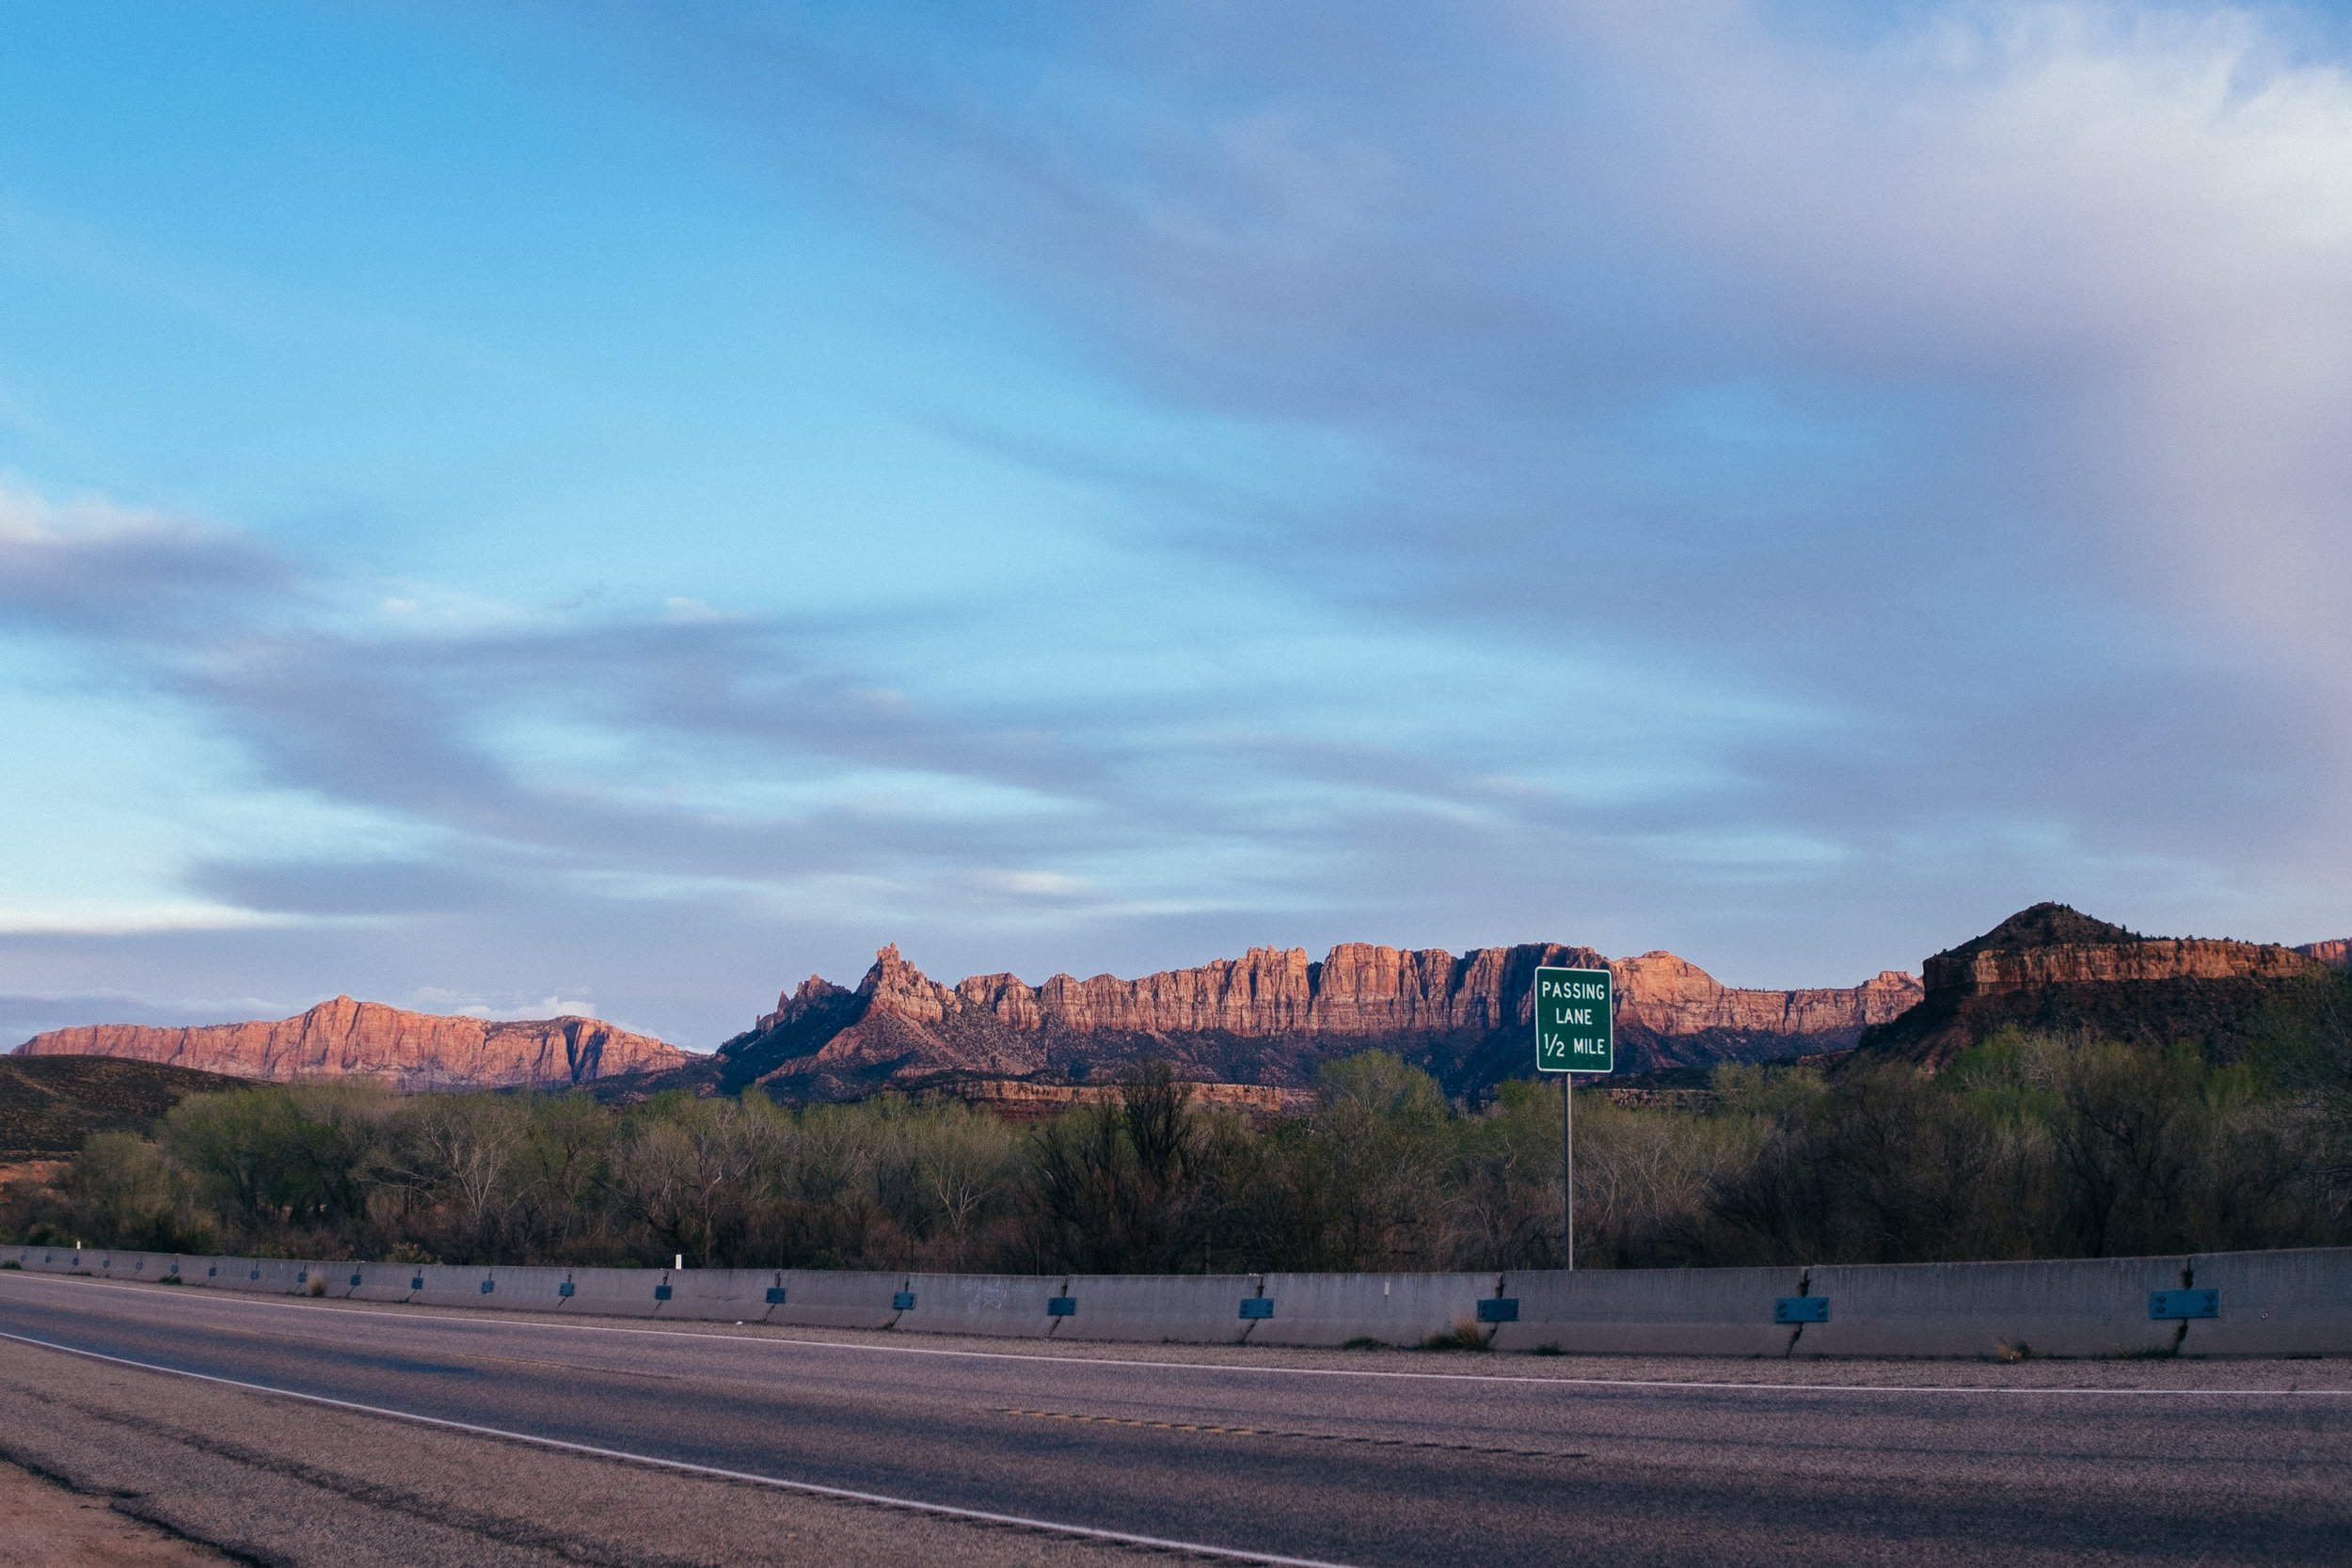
{"x": 1576, "y": 1031}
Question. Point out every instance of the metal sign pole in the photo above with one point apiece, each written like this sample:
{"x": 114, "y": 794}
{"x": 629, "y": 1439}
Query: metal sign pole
{"x": 1567, "y": 1157}
{"x": 1575, "y": 1027}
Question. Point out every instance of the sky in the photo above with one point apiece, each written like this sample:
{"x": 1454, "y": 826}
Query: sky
{"x": 615, "y": 508}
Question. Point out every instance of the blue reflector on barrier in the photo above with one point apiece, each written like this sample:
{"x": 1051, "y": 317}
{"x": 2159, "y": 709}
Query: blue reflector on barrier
{"x": 213, "y": 1272}
{"x": 1499, "y": 1309}
{"x": 565, "y": 1289}
{"x": 487, "y": 1286}
{"x": 418, "y": 1283}
{"x": 1801, "y": 1309}
{"x": 776, "y": 1295}
{"x": 2185, "y": 1304}
{"x": 254, "y": 1274}
{"x": 903, "y": 1301}
{"x": 1061, "y": 1306}
{"x": 1257, "y": 1307}
{"x": 661, "y": 1293}
{"x": 302, "y": 1276}
{"x": 138, "y": 1266}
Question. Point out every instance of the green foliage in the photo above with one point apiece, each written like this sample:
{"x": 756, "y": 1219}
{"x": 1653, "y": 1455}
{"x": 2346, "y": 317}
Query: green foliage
{"x": 2033, "y": 1146}
{"x": 2028, "y": 1145}
{"x": 122, "y": 1193}
{"x": 2303, "y": 1051}
{"x": 1768, "y": 1094}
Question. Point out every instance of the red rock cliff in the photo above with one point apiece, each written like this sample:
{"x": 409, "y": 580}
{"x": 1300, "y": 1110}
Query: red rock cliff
{"x": 1454, "y": 1012}
{"x": 1357, "y": 990}
{"x": 411, "y": 1052}
{"x": 1993, "y": 970}
{"x": 1675, "y": 997}
{"x": 2051, "y": 968}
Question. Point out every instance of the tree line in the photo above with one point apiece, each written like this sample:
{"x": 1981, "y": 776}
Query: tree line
{"x": 2026, "y": 1146}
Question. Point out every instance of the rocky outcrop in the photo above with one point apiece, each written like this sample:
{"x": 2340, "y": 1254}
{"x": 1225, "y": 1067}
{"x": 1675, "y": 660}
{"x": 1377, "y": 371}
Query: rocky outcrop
{"x": 411, "y": 1052}
{"x": 2054, "y": 969}
{"x": 1679, "y": 1007}
{"x": 2335, "y": 955}
{"x": 1269, "y": 1018}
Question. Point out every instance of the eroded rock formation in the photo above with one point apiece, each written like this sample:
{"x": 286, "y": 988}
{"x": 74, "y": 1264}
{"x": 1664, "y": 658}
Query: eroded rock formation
{"x": 411, "y": 1052}
{"x": 1270, "y": 1017}
{"x": 2054, "y": 969}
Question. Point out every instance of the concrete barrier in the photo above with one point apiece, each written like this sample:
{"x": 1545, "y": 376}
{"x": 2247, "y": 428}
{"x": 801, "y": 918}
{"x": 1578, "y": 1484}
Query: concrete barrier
{"x": 1000, "y": 1304}
{"x": 2077, "y": 1306}
{"x": 2294, "y": 1303}
{"x": 837, "y": 1298}
{"x": 1394, "y": 1308}
{"x": 1648, "y": 1311}
{"x": 53, "y": 1259}
{"x": 283, "y": 1277}
{"x": 392, "y": 1282}
{"x": 1190, "y": 1309}
{"x": 718, "y": 1295}
{"x": 606, "y": 1292}
{"x": 508, "y": 1290}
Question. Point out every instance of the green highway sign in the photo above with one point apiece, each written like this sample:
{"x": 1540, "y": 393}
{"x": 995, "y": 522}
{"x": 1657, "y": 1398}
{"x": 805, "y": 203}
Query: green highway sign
{"x": 1574, "y": 1029}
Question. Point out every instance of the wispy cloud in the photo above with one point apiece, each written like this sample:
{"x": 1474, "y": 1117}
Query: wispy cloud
{"x": 90, "y": 563}
{"x": 1657, "y": 477}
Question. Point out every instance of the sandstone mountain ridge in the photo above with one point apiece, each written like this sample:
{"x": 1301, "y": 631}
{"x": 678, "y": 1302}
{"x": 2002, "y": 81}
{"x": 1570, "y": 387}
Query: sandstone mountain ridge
{"x": 410, "y": 1051}
{"x": 2052, "y": 968}
{"x": 1270, "y": 1018}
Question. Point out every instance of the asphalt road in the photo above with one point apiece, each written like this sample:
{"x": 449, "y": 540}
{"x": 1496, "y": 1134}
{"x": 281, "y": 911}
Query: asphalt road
{"x": 1371, "y": 1459}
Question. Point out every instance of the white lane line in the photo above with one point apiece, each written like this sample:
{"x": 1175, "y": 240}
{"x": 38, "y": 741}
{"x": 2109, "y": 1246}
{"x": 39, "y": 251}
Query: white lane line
{"x": 458, "y": 1315}
{"x": 843, "y": 1493}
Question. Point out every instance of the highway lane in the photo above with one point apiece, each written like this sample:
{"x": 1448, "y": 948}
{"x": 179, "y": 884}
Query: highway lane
{"x": 1267, "y": 1454}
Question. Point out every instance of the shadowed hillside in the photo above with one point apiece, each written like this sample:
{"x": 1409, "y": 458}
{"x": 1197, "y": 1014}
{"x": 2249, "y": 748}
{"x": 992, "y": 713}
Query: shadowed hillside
{"x": 49, "y": 1104}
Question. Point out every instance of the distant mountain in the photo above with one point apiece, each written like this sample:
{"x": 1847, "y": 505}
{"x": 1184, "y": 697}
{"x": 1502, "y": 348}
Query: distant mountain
{"x": 49, "y": 1104}
{"x": 2053, "y": 968}
{"x": 1268, "y": 1018}
{"x": 411, "y": 1052}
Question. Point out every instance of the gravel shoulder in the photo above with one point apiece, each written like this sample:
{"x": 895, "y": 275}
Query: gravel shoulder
{"x": 51, "y": 1525}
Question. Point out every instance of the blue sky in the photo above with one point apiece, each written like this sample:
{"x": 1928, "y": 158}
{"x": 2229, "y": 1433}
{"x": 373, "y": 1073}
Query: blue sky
{"x": 622, "y": 507}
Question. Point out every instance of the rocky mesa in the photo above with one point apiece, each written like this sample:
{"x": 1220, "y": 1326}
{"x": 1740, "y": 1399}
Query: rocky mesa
{"x": 1270, "y": 1018}
{"x": 411, "y": 1052}
{"x": 2052, "y": 968}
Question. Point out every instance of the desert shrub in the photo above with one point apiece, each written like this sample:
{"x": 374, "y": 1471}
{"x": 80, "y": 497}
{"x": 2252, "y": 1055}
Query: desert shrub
{"x": 2026, "y": 1146}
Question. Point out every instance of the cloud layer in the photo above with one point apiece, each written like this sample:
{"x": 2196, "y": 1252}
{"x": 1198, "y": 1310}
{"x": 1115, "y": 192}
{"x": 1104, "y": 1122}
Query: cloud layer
{"x": 1660, "y": 478}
